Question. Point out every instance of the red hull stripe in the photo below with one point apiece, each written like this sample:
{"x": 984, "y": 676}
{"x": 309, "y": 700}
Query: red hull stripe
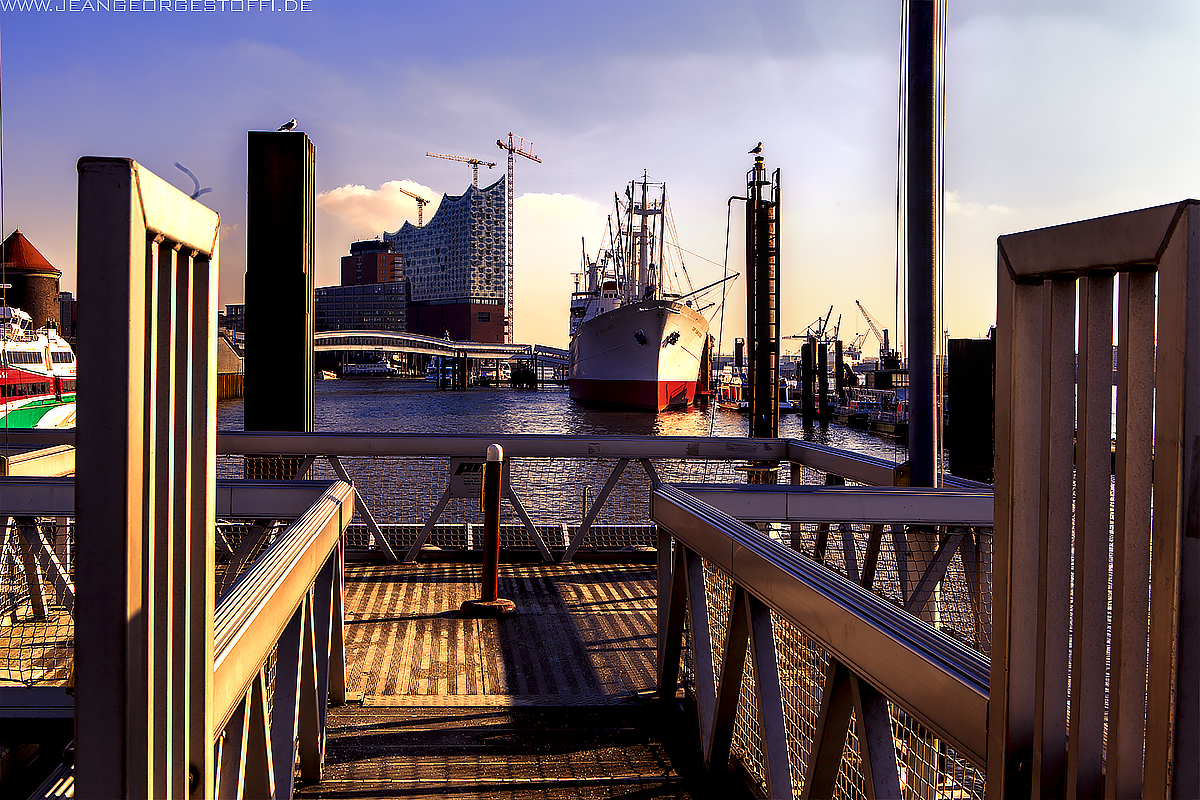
{"x": 653, "y": 395}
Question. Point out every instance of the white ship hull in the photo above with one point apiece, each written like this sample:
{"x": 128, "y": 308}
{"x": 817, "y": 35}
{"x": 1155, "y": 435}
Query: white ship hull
{"x": 640, "y": 355}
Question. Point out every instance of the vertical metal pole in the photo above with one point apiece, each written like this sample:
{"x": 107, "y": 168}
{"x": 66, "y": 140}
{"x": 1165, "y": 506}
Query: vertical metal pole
{"x": 490, "y": 604}
{"x": 837, "y": 368}
{"x": 922, "y": 223}
{"x": 807, "y": 389}
{"x": 279, "y": 286}
{"x": 762, "y": 299}
{"x": 822, "y": 377}
{"x": 491, "y": 523}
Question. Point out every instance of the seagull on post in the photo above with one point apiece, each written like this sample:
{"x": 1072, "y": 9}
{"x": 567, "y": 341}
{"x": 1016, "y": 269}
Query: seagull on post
{"x": 757, "y": 148}
{"x": 287, "y": 126}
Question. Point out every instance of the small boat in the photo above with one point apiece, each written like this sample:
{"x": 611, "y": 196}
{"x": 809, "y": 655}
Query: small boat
{"x": 380, "y": 369}
{"x": 37, "y": 374}
{"x": 730, "y": 391}
{"x": 326, "y": 375}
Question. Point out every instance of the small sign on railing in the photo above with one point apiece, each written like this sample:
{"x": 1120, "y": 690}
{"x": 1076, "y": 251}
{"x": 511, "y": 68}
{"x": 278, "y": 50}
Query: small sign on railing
{"x": 466, "y": 477}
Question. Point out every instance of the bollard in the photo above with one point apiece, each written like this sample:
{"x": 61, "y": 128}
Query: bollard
{"x": 490, "y": 604}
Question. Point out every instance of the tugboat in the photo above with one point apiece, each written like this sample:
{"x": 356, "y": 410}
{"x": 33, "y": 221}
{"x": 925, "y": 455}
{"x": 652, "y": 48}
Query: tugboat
{"x": 37, "y": 374}
{"x": 635, "y": 342}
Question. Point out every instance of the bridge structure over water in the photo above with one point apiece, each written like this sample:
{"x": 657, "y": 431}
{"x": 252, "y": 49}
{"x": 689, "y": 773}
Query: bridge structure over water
{"x": 453, "y": 359}
{"x": 258, "y": 614}
{"x": 401, "y": 342}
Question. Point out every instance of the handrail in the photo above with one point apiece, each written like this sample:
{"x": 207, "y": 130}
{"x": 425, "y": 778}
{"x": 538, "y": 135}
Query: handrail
{"x": 785, "y": 503}
{"x": 936, "y": 679}
{"x": 255, "y": 610}
{"x": 852, "y": 466}
{"x": 237, "y": 499}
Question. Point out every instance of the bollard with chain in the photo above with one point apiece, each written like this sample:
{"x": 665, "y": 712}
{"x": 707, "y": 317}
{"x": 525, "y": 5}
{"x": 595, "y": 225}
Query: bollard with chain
{"x": 490, "y": 604}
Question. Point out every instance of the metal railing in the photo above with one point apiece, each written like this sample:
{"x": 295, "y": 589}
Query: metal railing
{"x": 825, "y": 649}
{"x": 1097, "y": 655}
{"x": 279, "y": 653}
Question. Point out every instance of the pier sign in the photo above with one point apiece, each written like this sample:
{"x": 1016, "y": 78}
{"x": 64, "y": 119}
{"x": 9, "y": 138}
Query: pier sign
{"x": 466, "y": 477}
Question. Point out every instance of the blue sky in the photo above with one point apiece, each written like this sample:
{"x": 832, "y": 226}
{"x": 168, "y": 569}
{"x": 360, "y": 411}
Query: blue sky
{"x": 1056, "y": 110}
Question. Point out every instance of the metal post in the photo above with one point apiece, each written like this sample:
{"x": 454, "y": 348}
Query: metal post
{"x": 921, "y": 235}
{"x": 762, "y": 298}
{"x": 146, "y": 512}
{"x": 279, "y": 289}
{"x": 490, "y": 603}
{"x": 807, "y": 389}
{"x": 838, "y": 361}
{"x": 822, "y": 377}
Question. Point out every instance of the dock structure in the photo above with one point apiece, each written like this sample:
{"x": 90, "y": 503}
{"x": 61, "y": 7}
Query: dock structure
{"x": 680, "y": 632}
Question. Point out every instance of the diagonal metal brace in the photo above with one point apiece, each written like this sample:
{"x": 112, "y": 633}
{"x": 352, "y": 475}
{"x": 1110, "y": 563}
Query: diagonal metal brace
{"x": 411, "y": 555}
{"x": 529, "y": 526}
{"x": 361, "y": 506}
{"x": 594, "y": 511}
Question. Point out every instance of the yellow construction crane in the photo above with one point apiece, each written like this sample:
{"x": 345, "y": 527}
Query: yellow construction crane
{"x": 474, "y": 162}
{"x": 421, "y": 201}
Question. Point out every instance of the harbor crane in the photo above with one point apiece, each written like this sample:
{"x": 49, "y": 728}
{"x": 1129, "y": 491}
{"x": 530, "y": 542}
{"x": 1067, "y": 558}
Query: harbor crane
{"x": 474, "y": 162}
{"x": 515, "y": 146}
{"x": 818, "y": 329}
{"x": 884, "y": 348}
{"x": 421, "y": 201}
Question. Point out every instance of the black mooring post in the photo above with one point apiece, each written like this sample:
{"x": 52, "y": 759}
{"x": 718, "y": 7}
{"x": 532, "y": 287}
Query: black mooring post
{"x": 762, "y": 298}
{"x": 921, "y": 237}
{"x": 822, "y": 377}
{"x": 808, "y": 381}
{"x": 837, "y": 368}
{"x": 490, "y": 604}
{"x": 279, "y": 359}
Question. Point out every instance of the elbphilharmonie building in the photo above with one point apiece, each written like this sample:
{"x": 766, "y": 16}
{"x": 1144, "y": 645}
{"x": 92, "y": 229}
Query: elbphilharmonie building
{"x": 455, "y": 267}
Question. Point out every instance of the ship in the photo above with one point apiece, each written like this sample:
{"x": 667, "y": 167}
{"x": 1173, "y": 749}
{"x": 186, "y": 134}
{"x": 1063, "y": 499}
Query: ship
{"x": 636, "y": 341}
{"x": 37, "y": 374}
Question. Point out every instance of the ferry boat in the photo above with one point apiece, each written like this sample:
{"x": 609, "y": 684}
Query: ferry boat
{"x": 379, "y": 369}
{"x": 37, "y": 374}
{"x": 635, "y": 342}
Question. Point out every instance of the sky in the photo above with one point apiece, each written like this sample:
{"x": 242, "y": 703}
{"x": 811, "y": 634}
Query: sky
{"x": 1055, "y": 111}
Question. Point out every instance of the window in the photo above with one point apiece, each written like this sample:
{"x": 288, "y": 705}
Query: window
{"x": 485, "y": 316}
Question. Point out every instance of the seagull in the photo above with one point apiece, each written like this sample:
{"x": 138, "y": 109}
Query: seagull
{"x": 197, "y": 190}
{"x": 287, "y": 126}
{"x": 757, "y": 149}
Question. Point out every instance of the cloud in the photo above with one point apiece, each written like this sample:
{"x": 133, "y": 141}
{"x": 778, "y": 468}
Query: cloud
{"x": 369, "y": 212}
{"x": 547, "y": 233}
{"x": 957, "y": 207}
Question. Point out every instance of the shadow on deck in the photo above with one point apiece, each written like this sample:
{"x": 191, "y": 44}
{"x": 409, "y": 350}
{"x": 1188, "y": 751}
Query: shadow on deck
{"x": 555, "y": 701}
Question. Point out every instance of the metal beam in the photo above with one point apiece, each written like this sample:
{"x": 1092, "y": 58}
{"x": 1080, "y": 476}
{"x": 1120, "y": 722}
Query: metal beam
{"x": 845, "y": 504}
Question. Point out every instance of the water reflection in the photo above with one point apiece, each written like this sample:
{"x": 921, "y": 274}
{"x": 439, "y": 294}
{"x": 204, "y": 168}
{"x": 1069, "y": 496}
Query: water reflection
{"x": 394, "y": 406}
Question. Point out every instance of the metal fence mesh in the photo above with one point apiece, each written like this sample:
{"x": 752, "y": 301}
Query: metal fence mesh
{"x": 37, "y": 632}
{"x": 928, "y": 767}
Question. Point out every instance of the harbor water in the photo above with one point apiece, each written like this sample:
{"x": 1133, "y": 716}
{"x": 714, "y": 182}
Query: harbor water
{"x": 388, "y": 405}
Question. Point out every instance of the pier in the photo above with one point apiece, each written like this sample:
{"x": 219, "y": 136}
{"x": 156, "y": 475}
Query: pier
{"x": 678, "y": 631}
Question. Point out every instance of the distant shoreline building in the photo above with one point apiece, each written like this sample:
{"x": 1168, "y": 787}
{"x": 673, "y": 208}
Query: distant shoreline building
{"x": 32, "y": 281}
{"x": 454, "y": 266}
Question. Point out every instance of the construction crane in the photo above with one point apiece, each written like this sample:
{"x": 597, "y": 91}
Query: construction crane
{"x": 514, "y": 146}
{"x": 474, "y": 162}
{"x": 421, "y": 201}
{"x": 884, "y": 349}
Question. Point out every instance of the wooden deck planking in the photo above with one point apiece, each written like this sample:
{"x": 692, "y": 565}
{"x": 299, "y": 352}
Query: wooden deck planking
{"x": 582, "y": 634}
